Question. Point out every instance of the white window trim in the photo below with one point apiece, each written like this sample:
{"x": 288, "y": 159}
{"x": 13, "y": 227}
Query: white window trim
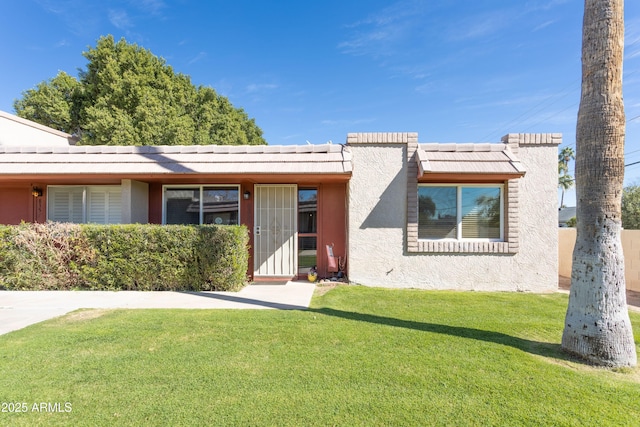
{"x": 85, "y": 198}
{"x": 459, "y": 187}
{"x": 196, "y": 186}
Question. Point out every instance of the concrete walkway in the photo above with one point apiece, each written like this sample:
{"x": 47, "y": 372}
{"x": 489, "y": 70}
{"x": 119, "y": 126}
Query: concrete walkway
{"x": 19, "y": 309}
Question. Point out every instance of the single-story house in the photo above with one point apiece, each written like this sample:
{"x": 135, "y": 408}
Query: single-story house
{"x": 396, "y": 212}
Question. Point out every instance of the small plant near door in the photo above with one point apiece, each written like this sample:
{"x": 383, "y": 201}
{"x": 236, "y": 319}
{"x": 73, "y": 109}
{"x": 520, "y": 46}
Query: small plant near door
{"x": 312, "y": 276}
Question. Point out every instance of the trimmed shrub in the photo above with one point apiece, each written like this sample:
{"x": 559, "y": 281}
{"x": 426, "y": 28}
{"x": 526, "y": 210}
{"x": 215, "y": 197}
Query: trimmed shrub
{"x": 148, "y": 257}
{"x": 223, "y": 257}
{"x": 128, "y": 257}
{"x": 43, "y": 256}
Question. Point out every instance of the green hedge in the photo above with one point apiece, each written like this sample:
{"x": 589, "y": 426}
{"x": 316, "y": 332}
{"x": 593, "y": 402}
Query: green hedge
{"x": 131, "y": 257}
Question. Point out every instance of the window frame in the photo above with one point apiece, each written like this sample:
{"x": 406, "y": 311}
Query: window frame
{"x": 86, "y": 200}
{"x": 302, "y": 235}
{"x": 459, "y": 187}
{"x": 201, "y": 199}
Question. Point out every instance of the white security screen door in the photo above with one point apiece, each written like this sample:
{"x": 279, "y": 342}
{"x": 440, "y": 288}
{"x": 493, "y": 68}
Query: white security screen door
{"x": 276, "y": 219}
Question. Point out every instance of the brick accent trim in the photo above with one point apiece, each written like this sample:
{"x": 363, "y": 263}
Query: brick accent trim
{"x": 511, "y": 223}
{"x": 412, "y": 195}
{"x": 521, "y": 139}
{"x": 511, "y": 243}
{"x": 381, "y": 138}
{"x": 437, "y": 246}
{"x": 512, "y": 215}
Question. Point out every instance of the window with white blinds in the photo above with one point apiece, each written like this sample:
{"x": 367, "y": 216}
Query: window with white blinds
{"x": 104, "y": 205}
{"x": 81, "y": 204}
{"x": 65, "y": 204}
{"x": 473, "y": 212}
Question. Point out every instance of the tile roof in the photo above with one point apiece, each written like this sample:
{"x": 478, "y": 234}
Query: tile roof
{"x": 210, "y": 159}
{"x": 468, "y": 159}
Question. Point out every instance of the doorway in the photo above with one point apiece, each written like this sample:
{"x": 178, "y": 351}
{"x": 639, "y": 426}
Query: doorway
{"x": 275, "y": 229}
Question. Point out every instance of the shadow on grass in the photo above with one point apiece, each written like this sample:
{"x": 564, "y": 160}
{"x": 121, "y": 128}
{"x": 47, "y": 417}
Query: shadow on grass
{"x": 533, "y": 347}
{"x": 245, "y": 301}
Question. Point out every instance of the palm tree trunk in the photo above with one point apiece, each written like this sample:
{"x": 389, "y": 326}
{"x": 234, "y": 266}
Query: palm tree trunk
{"x": 597, "y": 326}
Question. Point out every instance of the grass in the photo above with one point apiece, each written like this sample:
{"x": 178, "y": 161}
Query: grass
{"x": 359, "y": 356}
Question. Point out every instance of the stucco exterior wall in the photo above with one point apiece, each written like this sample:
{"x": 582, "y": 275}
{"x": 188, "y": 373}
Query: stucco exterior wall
{"x": 135, "y": 202}
{"x": 378, "y": 253}
{"x": 16, "y": 131}
{"x": 377, "y": 218}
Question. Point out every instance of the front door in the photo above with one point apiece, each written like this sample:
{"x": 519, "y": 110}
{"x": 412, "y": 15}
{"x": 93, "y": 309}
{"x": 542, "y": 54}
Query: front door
{"x": 276, "y": 223}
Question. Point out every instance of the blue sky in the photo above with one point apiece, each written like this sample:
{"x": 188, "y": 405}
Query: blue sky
{"x": 453, "y": 71}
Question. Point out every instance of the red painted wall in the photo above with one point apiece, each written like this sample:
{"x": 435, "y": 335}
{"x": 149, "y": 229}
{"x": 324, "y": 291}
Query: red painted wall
{"x": 332, "y": 223}
{"x": 17, "y": 204}
{"x": 155, "y": 203}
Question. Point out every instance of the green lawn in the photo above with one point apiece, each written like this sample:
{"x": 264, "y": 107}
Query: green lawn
{"x": 360, "y": 356}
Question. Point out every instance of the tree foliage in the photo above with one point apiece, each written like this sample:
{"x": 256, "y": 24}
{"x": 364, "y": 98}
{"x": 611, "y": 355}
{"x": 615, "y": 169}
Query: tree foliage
{"x": 631, "y": 207}
{"x": 426, "y": 206}
{"x": 564, "y": 157}
{"x": 51, "y": 103}
{"x": 129, "y": 96}
{"x": 489, "y": 209}
{"x": 565, "y": 181}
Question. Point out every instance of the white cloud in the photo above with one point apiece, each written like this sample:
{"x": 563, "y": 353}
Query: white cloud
{"x": 346, "y": 122}
{"x": 480, "y": 25}
{"x": 256, "y": 87}
{"x": 153, "y": 7}
{"x": 119, "y": 19}
{"x": 380, "y": 33}
{"x": 78, "y": 17}
{"x": 361, "y": 43}
{"x": 293, "y": 136}
{"x": 543, "y": 25}
{"x": 632, "y": 39}
{"x": 544, "y": 5}
{"x": 200, "y": 56}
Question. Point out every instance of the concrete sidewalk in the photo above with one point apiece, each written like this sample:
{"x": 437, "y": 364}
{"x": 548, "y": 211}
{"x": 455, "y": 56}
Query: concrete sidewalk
{"x": 19, "y": 309}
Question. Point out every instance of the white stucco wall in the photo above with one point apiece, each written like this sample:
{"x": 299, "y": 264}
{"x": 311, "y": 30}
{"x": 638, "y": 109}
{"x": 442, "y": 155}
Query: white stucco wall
{"x": 377, "y": 228}
{"x": 16, "y": 131}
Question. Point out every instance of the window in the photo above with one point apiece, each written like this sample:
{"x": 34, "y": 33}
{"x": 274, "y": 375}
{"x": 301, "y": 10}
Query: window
{"x": 473, "y": 212}
{"x": 201, "y": 205}
{"x": 81, "y": 204}
{"x": 307, "y": 229}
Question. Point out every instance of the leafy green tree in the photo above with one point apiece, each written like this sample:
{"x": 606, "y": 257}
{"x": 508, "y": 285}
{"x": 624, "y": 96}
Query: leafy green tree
{"x": 128, "y": 96}
{"x": 52, "y": 103}
{"x": 631, "y": 207}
